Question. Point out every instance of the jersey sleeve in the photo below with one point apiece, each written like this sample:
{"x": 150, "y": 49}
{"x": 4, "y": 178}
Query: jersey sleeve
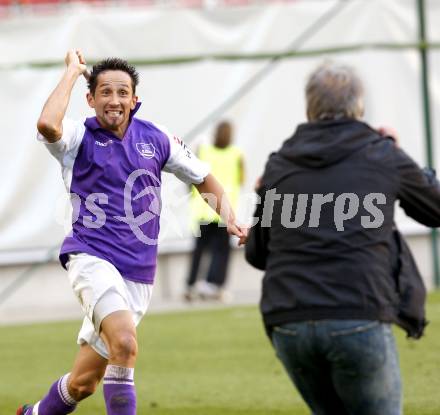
{"x": 66, "y": 148}
{"x": 183, "y": 163}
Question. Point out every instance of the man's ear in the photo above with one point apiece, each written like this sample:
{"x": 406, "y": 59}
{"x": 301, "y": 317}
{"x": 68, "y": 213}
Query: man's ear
{"x": 134, "y": 101}
{"x": 90, "y": 100}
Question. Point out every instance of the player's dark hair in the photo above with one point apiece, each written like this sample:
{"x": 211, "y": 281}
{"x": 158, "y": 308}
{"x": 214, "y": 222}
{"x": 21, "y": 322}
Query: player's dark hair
{"x": 113, "y": 64}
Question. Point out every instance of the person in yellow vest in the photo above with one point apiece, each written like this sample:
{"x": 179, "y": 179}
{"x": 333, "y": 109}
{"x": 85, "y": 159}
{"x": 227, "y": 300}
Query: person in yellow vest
{"x": 226, "y": 162}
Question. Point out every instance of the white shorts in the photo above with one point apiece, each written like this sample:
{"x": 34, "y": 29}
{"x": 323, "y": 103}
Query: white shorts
{"x": 101, "y": 290}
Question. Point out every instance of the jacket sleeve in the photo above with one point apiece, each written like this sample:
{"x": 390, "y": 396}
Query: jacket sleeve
{"x": 419, "y": 191}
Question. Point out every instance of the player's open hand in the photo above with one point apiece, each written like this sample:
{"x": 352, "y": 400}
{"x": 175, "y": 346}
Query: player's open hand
{"x": 240, "y": 231}
{"x": 75, "y": 59}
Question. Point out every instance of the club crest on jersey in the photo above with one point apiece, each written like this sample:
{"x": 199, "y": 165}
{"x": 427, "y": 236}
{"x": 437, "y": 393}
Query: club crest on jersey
{"x": 146, "y": 150}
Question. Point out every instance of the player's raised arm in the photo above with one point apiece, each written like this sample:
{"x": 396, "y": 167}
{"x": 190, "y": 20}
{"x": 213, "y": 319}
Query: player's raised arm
{"x": 213, "y": 193}
{"x": 50, "y": 122}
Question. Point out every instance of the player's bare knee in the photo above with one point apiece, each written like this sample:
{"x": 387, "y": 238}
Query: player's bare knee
{"x": 123, "y": 347}
{"x": 82, "y": 387}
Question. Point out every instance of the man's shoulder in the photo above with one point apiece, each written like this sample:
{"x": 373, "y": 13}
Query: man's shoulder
{"x": 151, "y": 127}
{"x": 382, "y": 150}
{"x": 142, "y": 122}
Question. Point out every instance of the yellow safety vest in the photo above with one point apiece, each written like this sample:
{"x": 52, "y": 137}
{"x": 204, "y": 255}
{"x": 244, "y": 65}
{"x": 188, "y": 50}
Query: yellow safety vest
{"x": 225, "y": 165}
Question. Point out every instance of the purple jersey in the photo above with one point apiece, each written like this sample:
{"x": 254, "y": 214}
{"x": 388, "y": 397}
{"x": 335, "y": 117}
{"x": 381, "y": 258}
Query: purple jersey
{"x": 115, "y": 190}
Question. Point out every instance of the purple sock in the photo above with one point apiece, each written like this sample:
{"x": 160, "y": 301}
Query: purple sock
{"x": 57, "y": 402}
{"x": 119, "y": 391}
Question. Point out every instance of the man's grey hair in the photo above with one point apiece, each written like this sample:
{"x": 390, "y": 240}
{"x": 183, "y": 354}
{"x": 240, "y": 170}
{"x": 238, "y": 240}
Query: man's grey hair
{"x": 334, "y": 91}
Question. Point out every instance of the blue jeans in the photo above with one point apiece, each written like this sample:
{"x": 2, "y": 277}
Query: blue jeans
{"x": 342, "y": 367}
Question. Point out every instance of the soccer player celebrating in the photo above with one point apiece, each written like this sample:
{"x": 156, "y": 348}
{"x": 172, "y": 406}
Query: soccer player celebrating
{"x": 111, "y": 165}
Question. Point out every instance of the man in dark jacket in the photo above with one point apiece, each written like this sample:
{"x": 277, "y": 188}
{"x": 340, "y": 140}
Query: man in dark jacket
{"x": 329, "y": 294}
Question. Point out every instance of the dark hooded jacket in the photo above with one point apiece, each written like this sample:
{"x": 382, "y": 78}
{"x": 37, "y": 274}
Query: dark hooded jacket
{"x": 331, "y": 242}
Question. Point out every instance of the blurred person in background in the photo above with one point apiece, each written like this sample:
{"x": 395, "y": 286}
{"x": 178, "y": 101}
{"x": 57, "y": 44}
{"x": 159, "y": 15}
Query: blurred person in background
{"x": 111, "y": 254}
{"x": 326, "y": 240}
{"x": 227, "y": 165}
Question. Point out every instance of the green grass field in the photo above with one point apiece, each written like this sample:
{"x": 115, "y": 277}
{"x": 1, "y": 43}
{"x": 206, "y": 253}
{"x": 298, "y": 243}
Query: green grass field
{"x": 215, "y": 362}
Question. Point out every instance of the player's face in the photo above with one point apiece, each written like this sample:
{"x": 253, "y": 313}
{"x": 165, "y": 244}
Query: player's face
{"x": 113, "y": 100}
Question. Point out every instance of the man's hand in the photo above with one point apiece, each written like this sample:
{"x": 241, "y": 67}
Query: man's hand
{"x": 241, "y": 232}
{"x": 258, "y": 183}
{"x": 75, "y": 60}
{"x": 389, "y": 132}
